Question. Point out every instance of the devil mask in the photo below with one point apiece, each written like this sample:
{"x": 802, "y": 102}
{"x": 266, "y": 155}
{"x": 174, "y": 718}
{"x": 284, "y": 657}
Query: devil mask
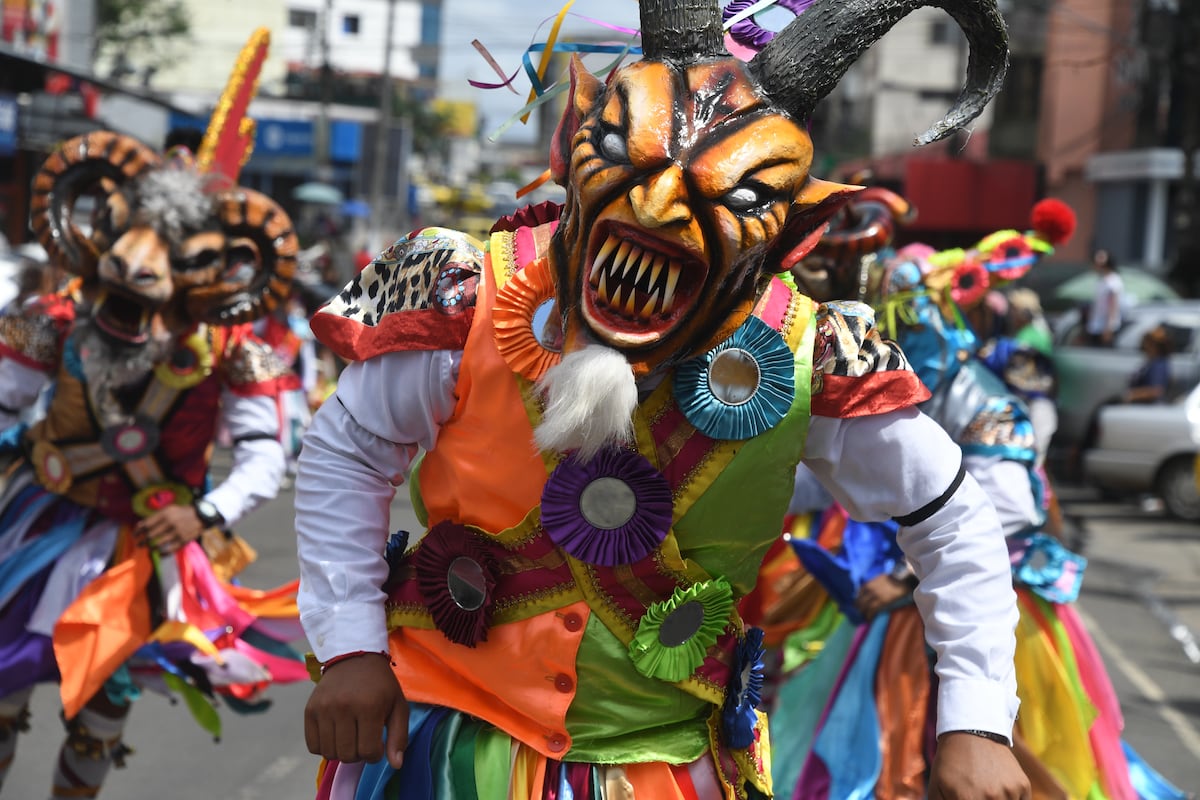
{"x": 687, "y": 174}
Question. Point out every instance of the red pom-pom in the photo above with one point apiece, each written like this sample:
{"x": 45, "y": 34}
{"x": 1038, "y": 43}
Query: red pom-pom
{"x": 1053, "y": 220}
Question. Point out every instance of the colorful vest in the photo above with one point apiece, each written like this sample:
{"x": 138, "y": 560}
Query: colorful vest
{"x": 586, "y": 649}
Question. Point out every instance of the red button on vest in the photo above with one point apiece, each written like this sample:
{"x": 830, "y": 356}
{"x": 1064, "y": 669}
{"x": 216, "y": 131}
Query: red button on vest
{"x": 563, "y": 682}
{"x": 572, "y": 622}
{"x": 557, "y": 743}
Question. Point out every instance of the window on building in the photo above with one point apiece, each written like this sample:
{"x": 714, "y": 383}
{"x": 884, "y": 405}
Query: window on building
{"x": 350, "y": 24}
{"x": 302, "y": 18}
{"x": 941, "y": 31}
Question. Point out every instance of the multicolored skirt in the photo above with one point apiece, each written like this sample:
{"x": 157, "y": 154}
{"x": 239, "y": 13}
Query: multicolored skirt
{"x": 84, "y": 606}
{"x": 452, "y": 756}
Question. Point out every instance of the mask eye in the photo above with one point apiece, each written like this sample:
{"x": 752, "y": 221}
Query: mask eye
{"x": 202, "y": 259}
{"x": 612, "y": 147}
{"x": 744, "y": 198}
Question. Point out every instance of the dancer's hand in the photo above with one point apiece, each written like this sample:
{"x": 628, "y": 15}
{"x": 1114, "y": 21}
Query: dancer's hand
{"x": 169, "y": 528}
{"x": 349, "y": 709}
{"x": 970, "y": 767}
{"x": 879, "y": 593}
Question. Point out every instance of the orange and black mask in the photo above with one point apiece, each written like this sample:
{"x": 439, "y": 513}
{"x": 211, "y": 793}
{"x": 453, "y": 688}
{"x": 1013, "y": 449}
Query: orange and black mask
{"x": 688, "y": 173}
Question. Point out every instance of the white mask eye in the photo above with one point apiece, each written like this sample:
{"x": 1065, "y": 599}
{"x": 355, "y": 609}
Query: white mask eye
{"x": 743, "y": 198}
{"x": 612, "y": 146}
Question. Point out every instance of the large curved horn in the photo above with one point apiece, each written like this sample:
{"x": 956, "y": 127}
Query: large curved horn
{"x": 261, "y": 241}
{"x": 95, "y": 162}
{"x": 681, "y": 31}
{"x": 807, "y": 59}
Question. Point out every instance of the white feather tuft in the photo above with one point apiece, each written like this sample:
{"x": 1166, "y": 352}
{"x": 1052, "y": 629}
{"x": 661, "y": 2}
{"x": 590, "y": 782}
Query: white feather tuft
{"x": 173, "y": 202}
{"x": 590, "y": 399}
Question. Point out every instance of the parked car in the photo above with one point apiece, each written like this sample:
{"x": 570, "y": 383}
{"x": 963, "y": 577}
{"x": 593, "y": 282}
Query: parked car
{"x": 1150, "y": 448}
{"x": 1089, "y": 377}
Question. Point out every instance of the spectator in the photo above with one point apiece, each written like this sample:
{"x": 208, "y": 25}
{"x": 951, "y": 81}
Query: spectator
{"x": 1149, "y": 384}
{"x": 1104, "y": 316}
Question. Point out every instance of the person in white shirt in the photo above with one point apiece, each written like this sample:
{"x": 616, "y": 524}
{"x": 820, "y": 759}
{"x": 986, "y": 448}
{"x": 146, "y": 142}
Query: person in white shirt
{"x": 1104, "y": 315}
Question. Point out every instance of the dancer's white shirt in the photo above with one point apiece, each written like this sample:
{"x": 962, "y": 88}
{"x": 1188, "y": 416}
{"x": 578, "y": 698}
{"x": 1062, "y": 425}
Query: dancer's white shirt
{"x": 386, "y": 409}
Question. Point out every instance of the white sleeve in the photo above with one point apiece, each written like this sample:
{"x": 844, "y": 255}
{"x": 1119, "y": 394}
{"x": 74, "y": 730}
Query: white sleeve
{"x": 258, "y": 463}
{"x": 1009, "y": 486}
{"x": 358, "y": 448}
{"x": 965, "y": 593}
{"x": 20, "y": 386}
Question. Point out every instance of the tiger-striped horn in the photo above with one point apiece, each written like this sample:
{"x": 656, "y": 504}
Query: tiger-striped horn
{"x": 260, "y": 236}
{"x": 99, "y": 163}
{"x": 807, "y": 59}
{"x": 682, "y": 31}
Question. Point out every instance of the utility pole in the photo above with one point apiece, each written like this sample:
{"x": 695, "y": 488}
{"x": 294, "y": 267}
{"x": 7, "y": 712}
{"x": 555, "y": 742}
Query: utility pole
{"x": 321, "y": 131}
{"x": 1185, "y": 73}
{"x": 382, "y": 135}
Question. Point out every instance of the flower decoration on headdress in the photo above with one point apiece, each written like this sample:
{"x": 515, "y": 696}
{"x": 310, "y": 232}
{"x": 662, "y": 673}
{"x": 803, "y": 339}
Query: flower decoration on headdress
{"x": 457, "y": 578}
{"x": 739, "y": 714}
{"x": 528, "y": 351}
{"x": 969, "y": 283}
{"x": 612, "y": 509}
{"x": 673, "y": 636}
{"x": 1007, "y": 255}
{"x": 740, "y": 388}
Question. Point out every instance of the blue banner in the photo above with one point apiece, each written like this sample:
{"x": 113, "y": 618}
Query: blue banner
{"x": 8, "y": 125}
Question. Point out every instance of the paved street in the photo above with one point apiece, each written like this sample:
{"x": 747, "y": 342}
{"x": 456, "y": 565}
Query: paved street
{"x": 1141, "y": 601}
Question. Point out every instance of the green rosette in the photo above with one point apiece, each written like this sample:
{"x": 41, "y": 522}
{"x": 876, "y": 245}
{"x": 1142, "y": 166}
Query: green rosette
{"x": 674, "y": 635}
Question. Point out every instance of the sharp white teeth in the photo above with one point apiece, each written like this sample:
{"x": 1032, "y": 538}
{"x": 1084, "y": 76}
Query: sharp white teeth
{"x": 656, "y": 269}
{"x": 630, "y": 309}
{"x": 648, "y": 309}
{"x": 619, "y": 259}
{"x": 672, "y": 279}
{"x": 647, "y": 258}
{"x": 602, "y": 255}
{"x": 602, "y": 288}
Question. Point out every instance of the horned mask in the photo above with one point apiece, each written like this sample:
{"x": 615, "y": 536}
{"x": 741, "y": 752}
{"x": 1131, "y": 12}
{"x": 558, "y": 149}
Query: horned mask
{"x": 169, "y": 242}
{"x": 688, "y": 173}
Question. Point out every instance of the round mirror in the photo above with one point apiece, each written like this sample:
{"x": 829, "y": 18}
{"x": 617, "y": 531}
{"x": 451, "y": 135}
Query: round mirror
{"x": 547, "y": 325}
{"x": 466, "y": 583}
{"x": 681, "y": 624}
{"x": 733, "y": 376}
{"x": 607, "y": 503}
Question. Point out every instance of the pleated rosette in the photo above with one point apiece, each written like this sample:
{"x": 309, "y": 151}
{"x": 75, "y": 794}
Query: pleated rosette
{"x": 969, "y": 283}
{"x": 613, "y": 509}
{"x": 189, "y": 365}
{"x": 456, "y": 574}
{"x": 742, "y": 387}
{"x": 529, "y": 352}
{"x": 739, "y": 715}
{"x": 674, "y": 635}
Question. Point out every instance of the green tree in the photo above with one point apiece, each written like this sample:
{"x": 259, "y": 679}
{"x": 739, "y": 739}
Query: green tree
{"x": 142, "y": 32}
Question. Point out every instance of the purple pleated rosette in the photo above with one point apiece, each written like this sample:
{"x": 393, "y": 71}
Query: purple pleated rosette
{"x": 457, "y": 577}
{"x": 613, "y": 509}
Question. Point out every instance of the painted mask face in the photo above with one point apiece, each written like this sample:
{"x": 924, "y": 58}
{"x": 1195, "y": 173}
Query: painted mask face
{"x": 680, "y": 181}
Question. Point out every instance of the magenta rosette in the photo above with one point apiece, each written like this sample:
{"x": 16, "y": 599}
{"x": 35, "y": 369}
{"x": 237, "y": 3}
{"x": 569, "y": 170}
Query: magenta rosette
{"x": 457, "y": 576}
{"x": 613, "y": 509}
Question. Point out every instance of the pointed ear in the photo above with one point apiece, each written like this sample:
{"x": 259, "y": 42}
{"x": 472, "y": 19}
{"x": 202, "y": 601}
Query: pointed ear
{"x": 585, "y": 89}
{"x": 816, "y": 204}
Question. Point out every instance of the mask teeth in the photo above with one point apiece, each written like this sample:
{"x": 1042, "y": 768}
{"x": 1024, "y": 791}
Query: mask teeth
{"x": 620, "y": 267}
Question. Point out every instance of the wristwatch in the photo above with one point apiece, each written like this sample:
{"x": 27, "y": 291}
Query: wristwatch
{"x": 209, "y": 516}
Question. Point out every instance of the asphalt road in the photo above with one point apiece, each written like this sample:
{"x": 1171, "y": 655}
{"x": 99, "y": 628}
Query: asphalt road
{"x": 1141, "y": 601}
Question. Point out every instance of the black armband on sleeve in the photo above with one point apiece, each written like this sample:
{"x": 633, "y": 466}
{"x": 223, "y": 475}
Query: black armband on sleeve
{"x": 935, "y": 505}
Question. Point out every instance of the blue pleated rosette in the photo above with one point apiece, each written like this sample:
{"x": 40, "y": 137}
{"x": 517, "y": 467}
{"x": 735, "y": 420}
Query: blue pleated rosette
{"x": 763, "y": 409}
{"x": 739, "y": 715}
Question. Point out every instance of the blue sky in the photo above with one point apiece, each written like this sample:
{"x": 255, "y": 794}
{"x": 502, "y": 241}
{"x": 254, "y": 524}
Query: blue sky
{"x": 506, "y": 28}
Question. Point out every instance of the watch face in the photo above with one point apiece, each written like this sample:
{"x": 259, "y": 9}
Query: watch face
{"x": 208, "y": 513}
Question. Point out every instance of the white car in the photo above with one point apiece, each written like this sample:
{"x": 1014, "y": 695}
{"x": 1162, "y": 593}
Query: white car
{"x": 1150, "y": 448}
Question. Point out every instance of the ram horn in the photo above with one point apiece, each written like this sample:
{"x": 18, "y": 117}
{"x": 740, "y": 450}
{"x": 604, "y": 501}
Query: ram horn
{"x": 806, "y": 60}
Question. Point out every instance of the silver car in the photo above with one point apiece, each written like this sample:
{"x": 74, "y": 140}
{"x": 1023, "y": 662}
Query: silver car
{"x": 1150, "y": 448}
{"x": 1089, "y": 377}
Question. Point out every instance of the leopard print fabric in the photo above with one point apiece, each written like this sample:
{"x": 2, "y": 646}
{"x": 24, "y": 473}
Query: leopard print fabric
{"x": 36, "y": 339}
{"x": 250, "y": 362}
{"x": 433, "y": 269}
{"x": 848, "y": 343}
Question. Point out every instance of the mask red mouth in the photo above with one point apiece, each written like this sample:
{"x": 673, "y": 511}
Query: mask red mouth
{"x": 122, "y": 318}
{"x": 637, "y": 288}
